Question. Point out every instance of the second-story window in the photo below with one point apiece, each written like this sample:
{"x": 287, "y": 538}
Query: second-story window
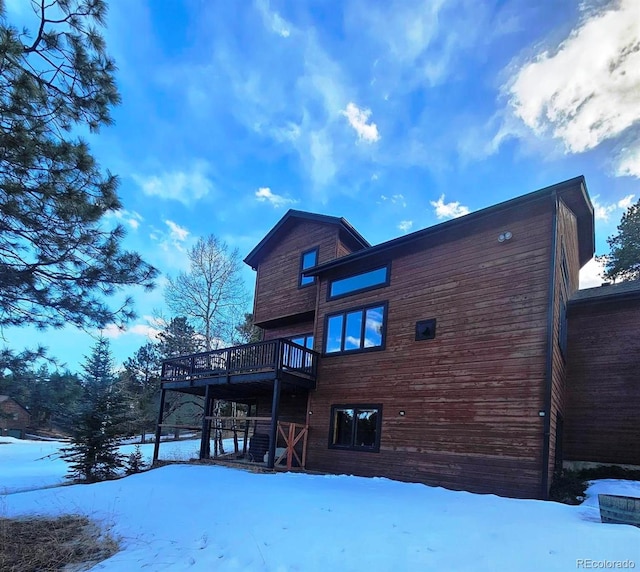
{"x": 308, "y": 260}
{"x": 355, "y": 330}
{"x": 362, "y": 282}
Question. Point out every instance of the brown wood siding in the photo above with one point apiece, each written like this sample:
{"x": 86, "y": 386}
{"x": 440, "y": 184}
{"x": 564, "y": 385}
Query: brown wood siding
{"x": 289, "y": 331}
{"x": 293, "y": 407}
{"x": 277, "y": 294}
{"x": 602, "y": 423}
{"x": 567, "y": 241}
{"x": 472, "y": 395}
{"x": 342, "y": 247}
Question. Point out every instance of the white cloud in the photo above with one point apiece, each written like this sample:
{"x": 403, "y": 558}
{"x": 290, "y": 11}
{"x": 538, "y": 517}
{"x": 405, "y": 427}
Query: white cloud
{"x": 273, "y": 20}
{"x": 172, "y": 245}
{"x": 603, "y": 211}
{"x": 132, "y": 218}
{"x": 413, "y": 44}
{"x": 591, "y": 274}
{"x": 448, "y": 210}
{"x": 626, "y": 202}
{"x": 586, "y": 90}
{"x": 629, "y": 162}
{"x": 397, "y": 199}
{"x": 264, "y": 194}
{"x": 405, "y": 225}
{"x": 359, "y": 120}
{"x": 184, "y": 186}
{"x": 177, "y": 232}
{"x": 149, "y": 329}
{"x": 321, "y": 158}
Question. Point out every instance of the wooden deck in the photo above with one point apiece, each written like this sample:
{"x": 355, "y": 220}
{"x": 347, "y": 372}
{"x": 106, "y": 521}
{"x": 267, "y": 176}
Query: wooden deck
{"x": 253, "y": 365}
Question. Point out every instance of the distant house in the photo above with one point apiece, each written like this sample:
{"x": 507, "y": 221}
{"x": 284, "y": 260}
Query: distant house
{"x": 447, "y": 356}
{"x": 14, "y": 418}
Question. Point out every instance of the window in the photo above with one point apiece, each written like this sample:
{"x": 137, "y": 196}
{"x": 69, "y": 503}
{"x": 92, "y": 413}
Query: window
{"x": 562, "y": 327}
{"x": 309, "y": 259}
{"x": 359, "y": 283}
{"x": 297, "y": 358}
{"x": 564, "y": 267}
{"x": 564, "y": 294}
{"x": 304, "y": 340}
{"x": 355, "y": 427}
{"x": 360, "y": 329}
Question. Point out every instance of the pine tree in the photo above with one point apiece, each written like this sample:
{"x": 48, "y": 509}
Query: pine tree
{"x": 179, "y": 338}
{"x": 135, "y": 462}
{"x": 247, "y": 332}
{"x": 99, "y": 422}
{"x": 623, "y": 261}
{"x": 142, "y": 381}
{"x": 58, "y": 260}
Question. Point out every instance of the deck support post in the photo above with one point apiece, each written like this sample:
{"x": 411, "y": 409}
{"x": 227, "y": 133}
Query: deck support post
{"x": 273, "y": 432}
{"x": 205, "y": 436}
{"x": 156, "y": 445}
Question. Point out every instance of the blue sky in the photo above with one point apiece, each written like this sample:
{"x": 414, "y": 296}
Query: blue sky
{"x": 396, "y": 115}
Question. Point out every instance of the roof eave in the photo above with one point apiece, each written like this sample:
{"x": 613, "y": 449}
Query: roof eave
{"x": 252, "y": 259}
{"x": 540, "y": 194}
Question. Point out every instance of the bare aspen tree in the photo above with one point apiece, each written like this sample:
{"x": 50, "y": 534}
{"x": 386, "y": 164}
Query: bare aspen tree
{"x": 213, "y": 296}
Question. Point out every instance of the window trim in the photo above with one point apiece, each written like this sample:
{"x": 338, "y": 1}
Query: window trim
{"x": 355, "y": 407}
{"x": 384, "y": 304}
{"x": 314, "y": 279}
{"x": 384, "y": 284}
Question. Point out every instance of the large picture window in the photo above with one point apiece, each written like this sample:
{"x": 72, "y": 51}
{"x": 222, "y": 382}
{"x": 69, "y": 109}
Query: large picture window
{"x": 359, "y": 282}
{"x": 308, "y": 260}
{"x": 354, "y": 330}
{"x": 355, "y": 427}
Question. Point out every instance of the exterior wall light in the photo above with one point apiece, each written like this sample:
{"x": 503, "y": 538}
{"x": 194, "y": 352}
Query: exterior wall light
{"x": 401, "y": 413}
{"x": 506, "y": 235}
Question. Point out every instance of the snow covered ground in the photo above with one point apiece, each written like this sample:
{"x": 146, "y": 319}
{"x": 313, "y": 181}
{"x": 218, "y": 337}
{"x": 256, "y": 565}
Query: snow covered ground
{"x": 28, "y": 465}
{"x": 203, "y": 518}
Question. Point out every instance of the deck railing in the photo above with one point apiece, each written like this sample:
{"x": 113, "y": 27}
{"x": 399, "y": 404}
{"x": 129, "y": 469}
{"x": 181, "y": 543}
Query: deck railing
{"x": 273, "y": 355}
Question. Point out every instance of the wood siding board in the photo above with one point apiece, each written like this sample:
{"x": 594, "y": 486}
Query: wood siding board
{"x": 567, "y": 243}
{"x": 277, "y": 293}
{"x": 471, "y": 396}
{"x": 603, "y": 393}
{"x": 289, "y": 331}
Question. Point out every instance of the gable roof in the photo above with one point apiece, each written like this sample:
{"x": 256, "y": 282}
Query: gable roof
{"x": 607, "y": 292}
{"x": 356, "y": 240}
{"x": 573, "y": 192}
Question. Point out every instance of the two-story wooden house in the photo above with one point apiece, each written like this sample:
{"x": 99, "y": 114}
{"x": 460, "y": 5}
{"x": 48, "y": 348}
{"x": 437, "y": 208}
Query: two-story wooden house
{"x": 437, "y": 357}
